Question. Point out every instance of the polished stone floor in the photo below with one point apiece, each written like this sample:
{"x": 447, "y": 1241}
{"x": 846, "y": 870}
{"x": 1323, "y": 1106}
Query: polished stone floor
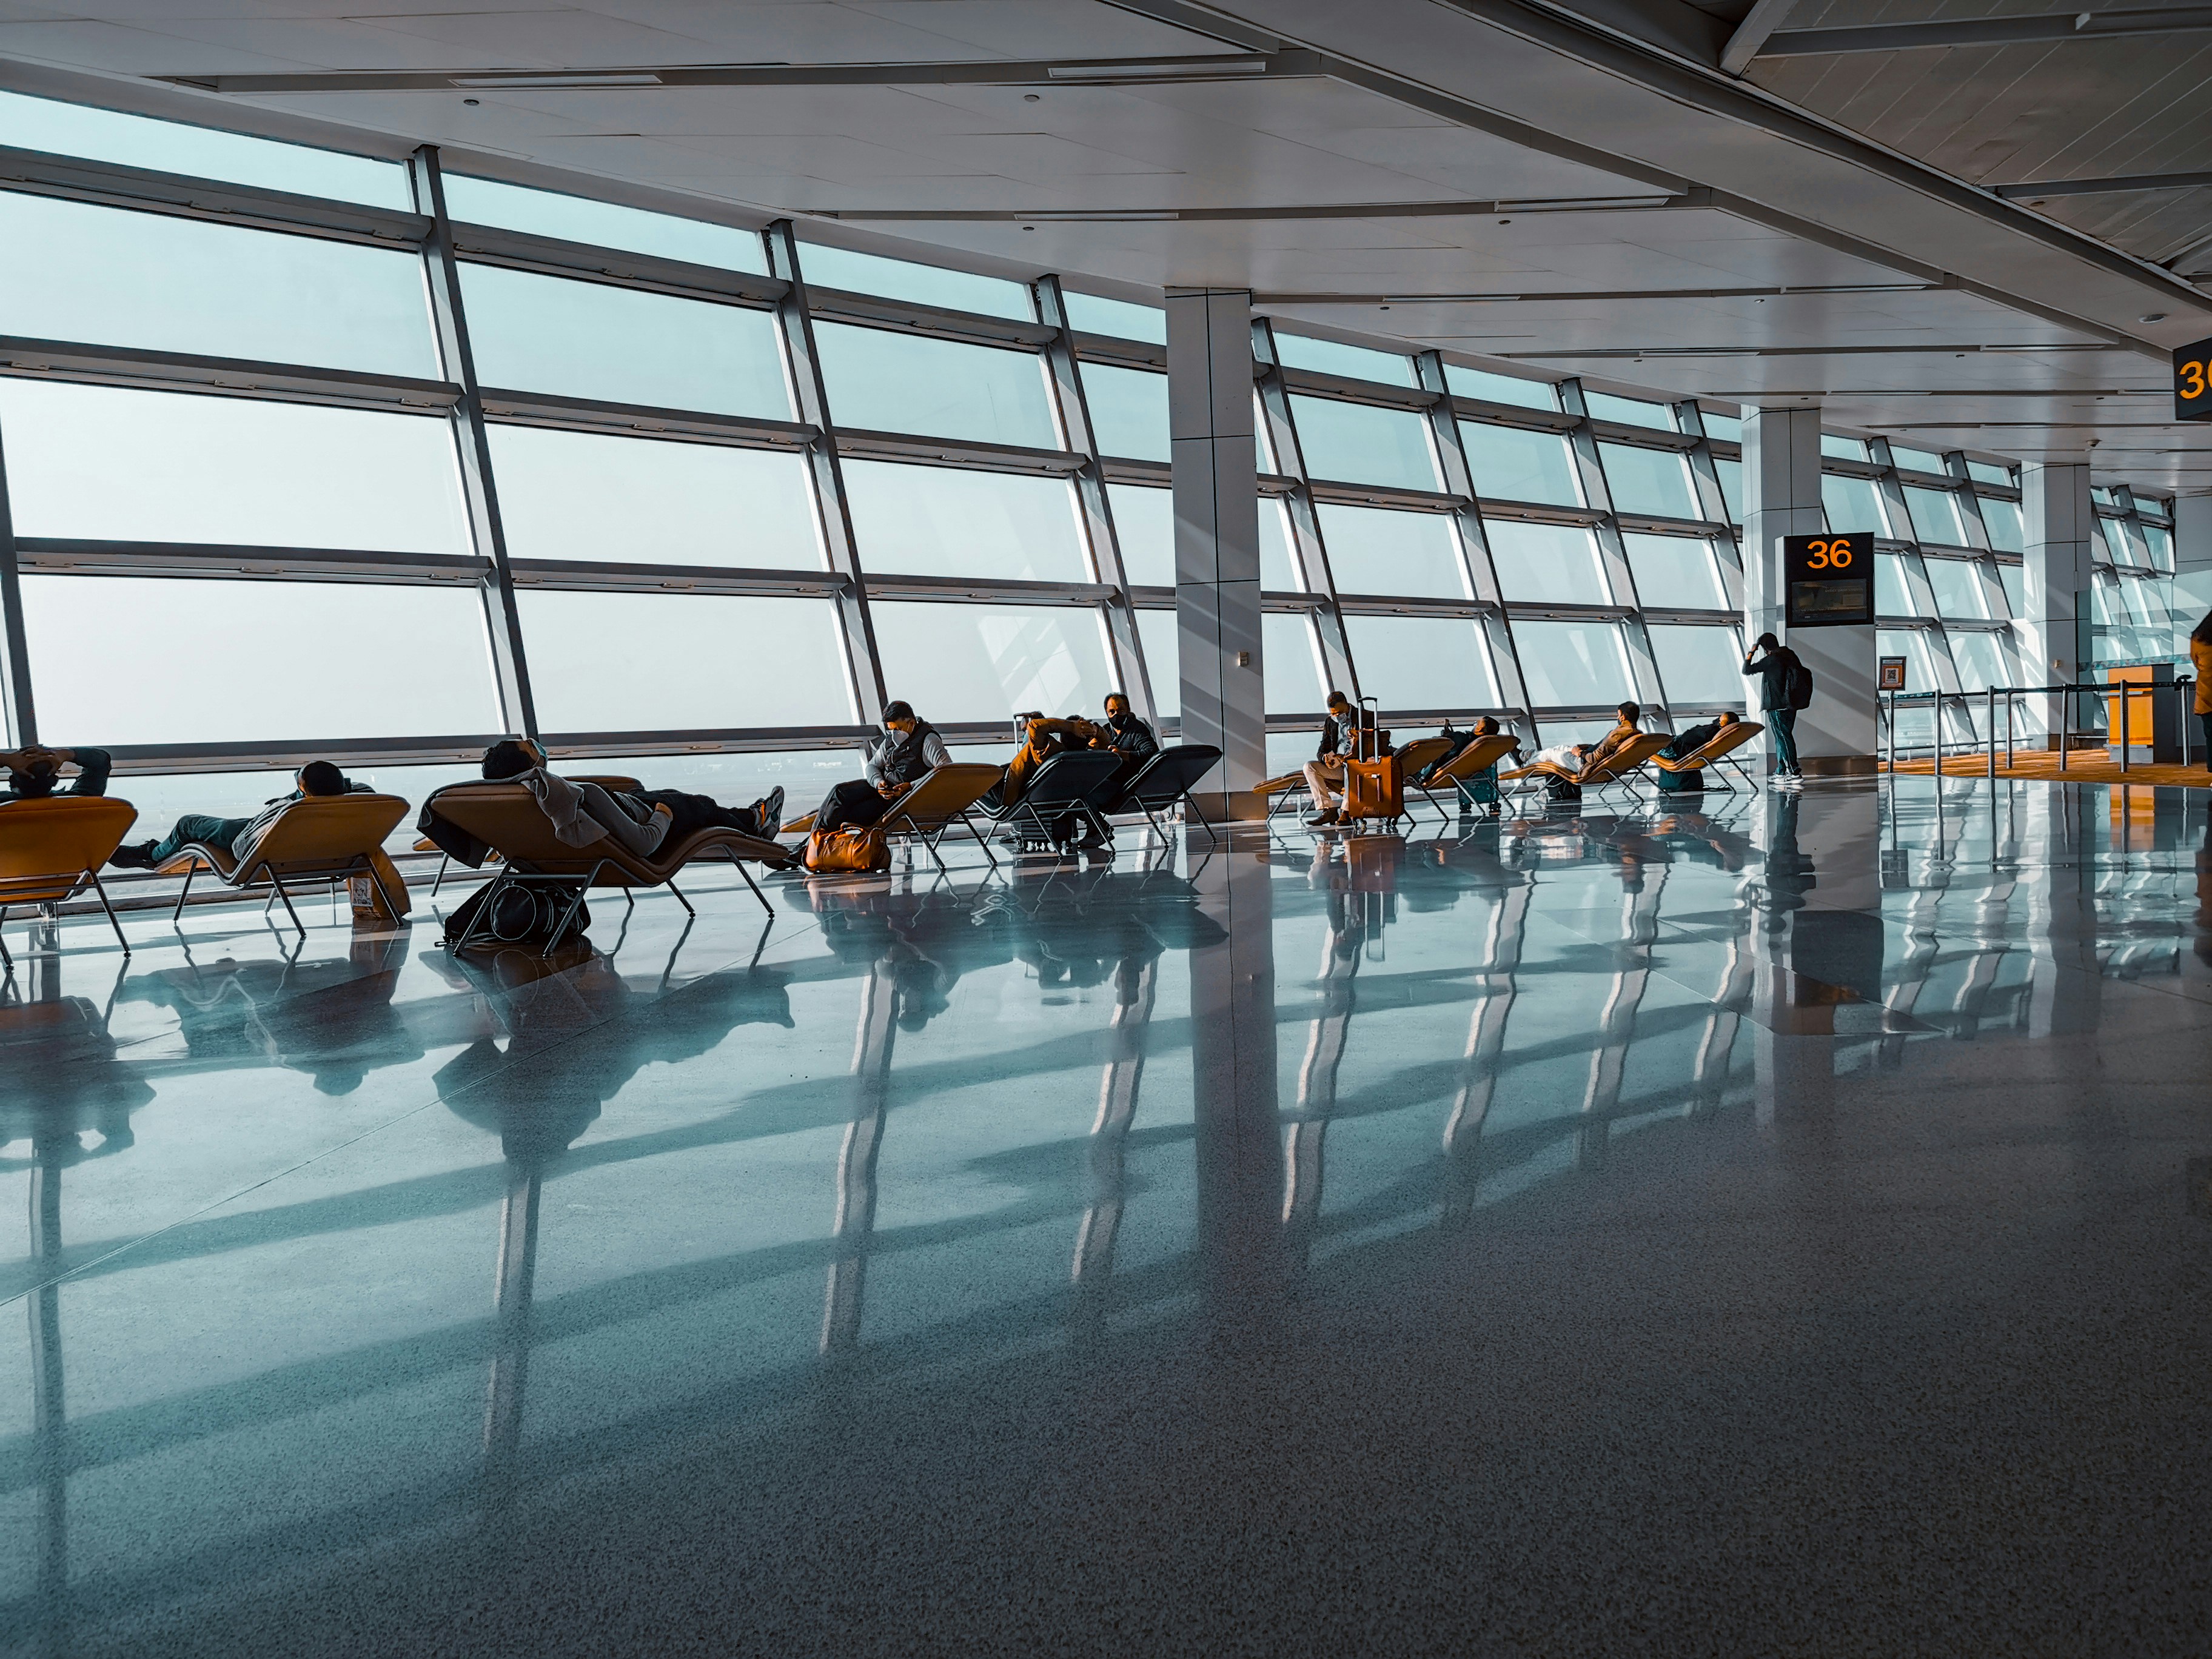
{"x": 1785, "y": 1228}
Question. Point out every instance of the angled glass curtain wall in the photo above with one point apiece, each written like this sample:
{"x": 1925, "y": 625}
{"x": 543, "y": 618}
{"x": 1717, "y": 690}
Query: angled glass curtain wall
{"x": 613, "y": 483}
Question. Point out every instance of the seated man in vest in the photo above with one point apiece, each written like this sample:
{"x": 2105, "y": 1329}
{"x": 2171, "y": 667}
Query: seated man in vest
{"x": 34, "y": 774}
{"x": 1339, "y": 735}
{"x": 641, "y": 819}
{"x": 1125, "y": 734}
{"x": 906, "y": 753}
{"x": 229, "y": 834}
{"x": 1686, "y": 743}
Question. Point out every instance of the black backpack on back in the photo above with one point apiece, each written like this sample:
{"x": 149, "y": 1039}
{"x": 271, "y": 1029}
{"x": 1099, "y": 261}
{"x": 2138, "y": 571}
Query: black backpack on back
{"x": 1800, "y": 686}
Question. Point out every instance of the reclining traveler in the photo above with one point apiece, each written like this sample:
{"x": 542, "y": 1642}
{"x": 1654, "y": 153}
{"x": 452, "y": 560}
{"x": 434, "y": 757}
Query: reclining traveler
{"x": 909, "y": 749}
{"x": 1337, "y": 738}
{"x": 638, "y": 819}
{"x": 1481, "y": 788}
{"x": 1686, "y": 743}
{"x": 34, "y": 772}
{"x": 1585, "y": 757}
{"x": 230, "y": 834}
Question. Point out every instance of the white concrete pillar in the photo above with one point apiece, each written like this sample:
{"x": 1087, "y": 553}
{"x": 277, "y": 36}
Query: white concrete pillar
{"x": 2193, "y": 566}
{"x": 1217, "y": 508}
{"x": 2059, "y": 523}
{"x": 1782, "y": 497}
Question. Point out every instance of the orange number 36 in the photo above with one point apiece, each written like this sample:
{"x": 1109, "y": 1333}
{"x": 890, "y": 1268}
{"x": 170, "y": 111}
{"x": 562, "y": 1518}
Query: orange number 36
{"x": 2192, "y": 379}
{"x": 1828, "y": 555}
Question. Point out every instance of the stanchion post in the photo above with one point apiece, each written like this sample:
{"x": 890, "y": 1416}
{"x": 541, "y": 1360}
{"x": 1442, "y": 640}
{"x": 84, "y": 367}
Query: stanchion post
{"x": 2125, "y": 700}
{"x": 2065, "y": 725}
{"x": 1992, "y": 696}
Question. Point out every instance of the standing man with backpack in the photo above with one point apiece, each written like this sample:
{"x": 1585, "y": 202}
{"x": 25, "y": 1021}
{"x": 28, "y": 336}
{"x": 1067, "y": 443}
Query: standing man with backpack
{"x": 1786, "y": 686}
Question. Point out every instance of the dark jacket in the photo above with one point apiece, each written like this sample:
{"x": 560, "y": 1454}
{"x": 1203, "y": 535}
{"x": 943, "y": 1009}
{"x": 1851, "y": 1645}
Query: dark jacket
{"x": 905, "y": 756}
{"x": 92, "y": 767}
{"x": 1131, "y": 738}
{"x": 1774, "y": 668}
{"x": 1689, "y": 742}
{"x": 1336, "y": 735}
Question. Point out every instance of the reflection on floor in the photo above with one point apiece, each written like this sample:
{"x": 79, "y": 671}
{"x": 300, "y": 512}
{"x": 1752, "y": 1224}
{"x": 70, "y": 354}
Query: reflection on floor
{"x": 1769, "y": 1228}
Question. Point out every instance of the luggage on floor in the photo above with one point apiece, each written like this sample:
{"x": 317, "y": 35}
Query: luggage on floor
{"x": 1374, "y": 783}
{"x": 857, "y": 847}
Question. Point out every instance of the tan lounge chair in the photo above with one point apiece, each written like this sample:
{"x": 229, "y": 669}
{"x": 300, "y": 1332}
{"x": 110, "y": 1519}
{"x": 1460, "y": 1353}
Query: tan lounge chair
{"x": 1616, "y": 769}
{"x": 51, "y": 848}
{"x": 1717, "y": 752}
{"x": 942, "y": 797}
{"x": 613, "y": 782}
{"x": 1412, "y": 757}
{"x": 506, "y": 817}
{"x": 1479, "y": 755}
{"x": 321, "y": 838}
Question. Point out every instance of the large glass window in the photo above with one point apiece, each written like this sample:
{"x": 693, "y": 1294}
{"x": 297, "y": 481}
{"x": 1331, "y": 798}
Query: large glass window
{"x": 1512, "y": 464}
{"x": 1090, "y": 313}
{"x": 633, "y": 500}
{"x": 1989, "y": 473}
{"x": 1373, "y": 550}
{"x": 1912, "y": 644}
{"x": 140, "y": 140}
{"x": 884, "y": 382}
{"x": 1980, "y": 658}
{"x": 1144, "y": 529}
{"x": 1464, "y": 382}
{"x": 1278, "y": 572}
{"x": 677, "y": 662}
{"x": 1546, "y": 563}
{"x": 1916, "y": 460}
{"x": 1354, "y": 363}
{"x": 1698, "y": 665}
{"x": 1357, "y": 443}
{"x": 603, "y": 224}
{"x": 2013, "y": 579}
{"x": 1160, "y": 634}
{"x": 2118, "y": 545}
{"x": 111, "y": 277}
{"x": 1675, "y": 573}
{"x": 2001, "y": 518}
{"x": 1570, "y": 664}
{"x": 926, "y": 285}
{"x": 1843, "y": 449}
{"x": 1853, "y": 505}
{"x": 1655, "y": 482}
{"x": 2160, "y": 540}
{"x": 1730, "y": 474}
{"x": 1629, "y": 411}
{"x": 1892, "y": 596}
{"x": 1422, "y": 662}
{"x": 1129, "y": 411}
{"x": 1934, "y": 516}
{"x": 533, "y": 333}
{"x": 990, "y": 662}
{"x": 199, "y": 659}
{"x": 1957, "y": 586}
{"x": 106, "y": 464}
{"x": 1729, "y": 427}
{"x": 1287, "y": 662}
{"x": 934, "y": 521}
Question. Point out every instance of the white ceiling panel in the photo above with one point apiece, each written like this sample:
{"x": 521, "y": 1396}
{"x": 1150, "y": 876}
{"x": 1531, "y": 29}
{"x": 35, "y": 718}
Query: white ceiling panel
{"x": 555, "y": 38}
{"x": 1043, "y": 28}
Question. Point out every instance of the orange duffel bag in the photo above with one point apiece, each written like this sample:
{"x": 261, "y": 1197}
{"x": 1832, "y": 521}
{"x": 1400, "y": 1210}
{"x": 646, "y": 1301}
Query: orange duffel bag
{"x": 856, "y": 847}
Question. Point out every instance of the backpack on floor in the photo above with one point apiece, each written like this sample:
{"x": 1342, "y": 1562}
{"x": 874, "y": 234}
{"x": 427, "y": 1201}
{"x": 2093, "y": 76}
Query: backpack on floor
{"x": 518, "y": 915}
{"x": 1563, "y": 789}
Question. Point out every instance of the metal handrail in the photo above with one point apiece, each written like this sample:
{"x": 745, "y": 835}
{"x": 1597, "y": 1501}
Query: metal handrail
{"x": 2124, "y": 690}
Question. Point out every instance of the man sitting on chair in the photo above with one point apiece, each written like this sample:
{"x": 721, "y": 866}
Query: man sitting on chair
{"x": 1580, "y": 757}
{"x": 1131, "y": 738}
{"x": 228, "y": 835}
{"x": 1686, "y": 743}
{"x": 908, "y": 751}
{"x": 1339, "y": 737}
{"x": 34, "y": 773}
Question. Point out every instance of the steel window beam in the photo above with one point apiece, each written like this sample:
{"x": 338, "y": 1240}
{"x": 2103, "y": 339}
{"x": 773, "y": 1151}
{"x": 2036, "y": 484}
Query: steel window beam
{"x": 1489, "y": 414}
{"x": 1386, "y": 496}
{"x": 1112, "y": 349}
{"x": 1645, "y": 524}
{"x": 1477, "y": 568}
{"x": 235, "y": 377}
{"x": 966, "y": 590}
{"x": 810, "y": 399}
{"x": 1343, "y": 388}
{"x": 1704, "y": 477}
{"x": 1988, "y": 31}
{"x": 53, "y": 555}
{"x": 1064, "y": 379}
{"x": 1308, "y": 550}
{"x": 833, "y": 304}
{"x": 1570, "y": 295}
{"x": 1648, "y": 201}
{"x": 1758, "y": 26}
{"x": 1541, "y": 512}
{"x": 109, "y": 184}
{"x": 550, "y": 255}
{"x": 505, "y": 407}
{"x": 2130, "y": 184}
{"x": 138, "y": 759}
{"x": 479, "y": 494}
{"x": 18, "y": 708}
{"x": 1613, "y": 552}
{"x": 968, "y": 454}
{"x": 578, "y": 575}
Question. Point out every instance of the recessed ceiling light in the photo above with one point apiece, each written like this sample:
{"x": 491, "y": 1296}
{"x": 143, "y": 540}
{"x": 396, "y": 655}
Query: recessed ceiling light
{"x": 2152, "y": 317}
{"x": 1029, "y": 97}
{"x": 472, "y": 103}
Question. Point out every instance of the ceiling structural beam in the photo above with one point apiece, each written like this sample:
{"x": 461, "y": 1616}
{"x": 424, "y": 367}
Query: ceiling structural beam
{"x": 2126, "y": 183}
{"x": 1988, "y": 31}
{"x": 1805, "y": 351}
{"x": 1565, "y": 294}
{"x": 1759, "y": 23}
{"x": 1656, "y": 201}
{"x": 1083, "y": 72}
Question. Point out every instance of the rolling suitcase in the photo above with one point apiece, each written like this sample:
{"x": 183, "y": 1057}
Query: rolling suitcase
{"x": 1374, "y": 783}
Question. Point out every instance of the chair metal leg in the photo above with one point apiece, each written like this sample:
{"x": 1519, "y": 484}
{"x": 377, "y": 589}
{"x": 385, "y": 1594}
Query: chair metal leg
{"x": 981, "y": 840}
{"x": 6, "y": 960}
{"x": 680, "y": 899}
{"x": 746, "y": 875}
{"x": 569, "y": 919}
{"x": 178, "y": 914}
{"x": 399, "y": 909}
{"x": 276, "y": 882}
{"x": 445, "y": 863}
{"x": 110, "y": 908}
{"x": 1191, "y": 806}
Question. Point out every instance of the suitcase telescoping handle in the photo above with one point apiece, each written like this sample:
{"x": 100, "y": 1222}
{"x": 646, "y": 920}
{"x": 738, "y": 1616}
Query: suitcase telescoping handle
{"x": 1366, "y": 733}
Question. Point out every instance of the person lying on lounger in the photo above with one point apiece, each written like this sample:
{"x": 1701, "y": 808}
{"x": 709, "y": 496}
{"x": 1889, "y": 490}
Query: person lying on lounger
{"x": 34, "y": 773}
{"x": 1585, "y": 757}
{"x": 229, "y": 834}
{"x": 639, "y": 819}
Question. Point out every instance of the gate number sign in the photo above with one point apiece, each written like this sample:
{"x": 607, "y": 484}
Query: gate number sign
{"x": 2192, "y": 382}
{"x": 1829, "y": 579}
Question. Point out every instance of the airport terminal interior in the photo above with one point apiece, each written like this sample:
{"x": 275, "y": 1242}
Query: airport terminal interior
{"x": 607, "y": 1047}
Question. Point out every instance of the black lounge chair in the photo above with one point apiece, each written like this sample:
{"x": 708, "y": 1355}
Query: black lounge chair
{"x": 1168, "y": 777}
{"x": 1073, "y": 783}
